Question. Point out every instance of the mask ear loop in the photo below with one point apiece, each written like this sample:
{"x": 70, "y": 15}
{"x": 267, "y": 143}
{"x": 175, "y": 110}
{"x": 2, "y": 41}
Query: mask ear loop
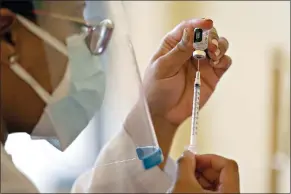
{"x": 25, "y": 76}
{"x": 21, "y": 72}
{"x": 45, "y": 36}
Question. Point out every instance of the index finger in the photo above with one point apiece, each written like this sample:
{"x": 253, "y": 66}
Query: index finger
{"x": 186, "y": 166}
{"x": 203, "y": 23}
{"x": 177, "y": 32}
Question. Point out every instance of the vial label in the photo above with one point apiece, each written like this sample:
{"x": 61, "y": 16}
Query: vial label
{"x": 198, "y": 35}
{"x": 200, "y": 39}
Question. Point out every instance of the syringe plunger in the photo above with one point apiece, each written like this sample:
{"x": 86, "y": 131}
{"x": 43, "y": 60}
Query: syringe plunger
{"x": 197, "y": 78}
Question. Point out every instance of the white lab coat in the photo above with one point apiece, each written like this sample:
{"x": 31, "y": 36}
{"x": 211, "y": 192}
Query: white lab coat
{"x": 126, "y": 177}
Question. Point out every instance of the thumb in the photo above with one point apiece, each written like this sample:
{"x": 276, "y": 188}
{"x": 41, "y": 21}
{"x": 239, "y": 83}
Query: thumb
{"x": 185, "y": 178}
{"x": 186, "y": 167}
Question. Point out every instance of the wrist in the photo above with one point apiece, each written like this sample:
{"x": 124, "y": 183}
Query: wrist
{"x": 137, "y": 126}
{"x": 165, "y": 132}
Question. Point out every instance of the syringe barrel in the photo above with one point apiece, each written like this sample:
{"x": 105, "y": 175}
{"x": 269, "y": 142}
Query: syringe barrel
{"x": 195, "y": 112}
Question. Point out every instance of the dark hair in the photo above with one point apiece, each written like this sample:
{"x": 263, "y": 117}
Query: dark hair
{"x": 21, "y": 7}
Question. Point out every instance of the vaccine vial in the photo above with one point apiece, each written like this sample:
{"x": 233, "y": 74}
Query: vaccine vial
{"x": 200, "y": 43}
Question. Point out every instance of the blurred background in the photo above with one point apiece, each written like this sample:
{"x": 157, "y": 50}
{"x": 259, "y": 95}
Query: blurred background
{"x": 248, "y": 117}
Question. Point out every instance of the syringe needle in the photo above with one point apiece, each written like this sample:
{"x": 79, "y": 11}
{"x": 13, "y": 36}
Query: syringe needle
{"x": 198, "y": 65}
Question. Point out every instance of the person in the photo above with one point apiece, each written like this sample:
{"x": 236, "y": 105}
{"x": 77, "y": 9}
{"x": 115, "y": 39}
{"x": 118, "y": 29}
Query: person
{"x": 36, "y": 65}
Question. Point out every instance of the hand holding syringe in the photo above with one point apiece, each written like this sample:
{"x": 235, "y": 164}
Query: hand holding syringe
{"x": 200, "y": 45}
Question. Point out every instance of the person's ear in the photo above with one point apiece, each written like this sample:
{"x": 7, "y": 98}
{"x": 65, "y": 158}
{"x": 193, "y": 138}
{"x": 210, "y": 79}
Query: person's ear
{"x": 7, "y": 18}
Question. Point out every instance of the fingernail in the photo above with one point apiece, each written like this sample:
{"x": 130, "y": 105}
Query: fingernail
{"x": 207, "y": 19}
{"x": 215, "y": 42}
{"x": 217, "y": 52}
{"x": 185, "y": 36}
{"x": 187, "y": 153}
{"x": 229, "y": 63}
{"x": 215, "y": 62}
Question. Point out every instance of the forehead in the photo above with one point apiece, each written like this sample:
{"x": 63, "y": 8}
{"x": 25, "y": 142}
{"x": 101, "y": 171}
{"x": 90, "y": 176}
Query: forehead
{"x": 69, "y": 8}
{"x": 59, "y": 13}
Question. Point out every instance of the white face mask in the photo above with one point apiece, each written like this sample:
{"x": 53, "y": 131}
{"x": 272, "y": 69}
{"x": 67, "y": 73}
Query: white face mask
{"x": 79, "y": 95}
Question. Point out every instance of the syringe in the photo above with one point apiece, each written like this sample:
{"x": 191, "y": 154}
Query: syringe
{"x": 200, "y": 45}
{"x": 195, "y": 112}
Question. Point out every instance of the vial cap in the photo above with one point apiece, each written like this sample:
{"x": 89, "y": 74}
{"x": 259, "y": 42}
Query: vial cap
{"x": 199, "y": 54}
